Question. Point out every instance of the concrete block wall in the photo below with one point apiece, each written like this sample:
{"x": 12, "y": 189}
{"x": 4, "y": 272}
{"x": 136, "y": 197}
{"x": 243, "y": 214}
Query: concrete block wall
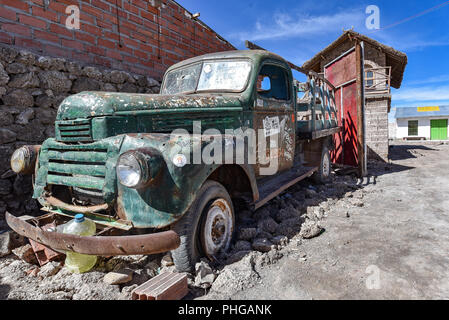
{"x": 130, "y": 42}
{"x": 376, "y": 131}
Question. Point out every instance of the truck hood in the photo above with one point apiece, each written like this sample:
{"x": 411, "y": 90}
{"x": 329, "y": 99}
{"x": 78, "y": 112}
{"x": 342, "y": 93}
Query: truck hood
{"x": 94, "y": 104}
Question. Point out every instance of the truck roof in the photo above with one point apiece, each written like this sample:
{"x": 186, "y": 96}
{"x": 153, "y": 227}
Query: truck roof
{"x": 233, "y": 54}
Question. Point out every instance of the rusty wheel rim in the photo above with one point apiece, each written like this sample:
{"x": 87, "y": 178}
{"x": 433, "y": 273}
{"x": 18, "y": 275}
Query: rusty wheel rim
{"x": 217, "y": 228}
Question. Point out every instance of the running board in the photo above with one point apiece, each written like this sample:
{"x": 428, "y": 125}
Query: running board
{"x": 272, "y": 187}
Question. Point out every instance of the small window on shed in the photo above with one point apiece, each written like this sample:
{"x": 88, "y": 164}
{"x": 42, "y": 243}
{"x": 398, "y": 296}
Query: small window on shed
{"x": 369, "y": 77}
{"x": 272, "y": 83}
{"x": 413, "y": 128}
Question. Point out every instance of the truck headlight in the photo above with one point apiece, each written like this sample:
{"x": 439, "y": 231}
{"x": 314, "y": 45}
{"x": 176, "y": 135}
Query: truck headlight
{"x": 132, "y": 169}
{"x": 23, "y": 160}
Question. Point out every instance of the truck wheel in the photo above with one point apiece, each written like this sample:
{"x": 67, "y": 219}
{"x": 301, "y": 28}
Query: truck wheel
{"x": 206, "y": 228}
{"x": 324, "y": 171}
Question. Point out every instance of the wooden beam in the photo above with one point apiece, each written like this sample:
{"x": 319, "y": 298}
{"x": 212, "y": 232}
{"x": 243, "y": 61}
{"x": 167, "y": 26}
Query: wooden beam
{"x": 360, "y": 99}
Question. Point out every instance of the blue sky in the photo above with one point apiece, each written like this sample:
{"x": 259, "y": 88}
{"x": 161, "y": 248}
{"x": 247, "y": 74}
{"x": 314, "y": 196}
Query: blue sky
{"x": 298, "y": 29}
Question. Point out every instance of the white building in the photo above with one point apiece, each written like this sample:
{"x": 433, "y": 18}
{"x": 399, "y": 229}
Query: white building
{"x": 422, "y": 123}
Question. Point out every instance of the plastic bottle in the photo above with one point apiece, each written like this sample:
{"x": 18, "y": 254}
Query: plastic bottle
{"x": 77, "y": 262}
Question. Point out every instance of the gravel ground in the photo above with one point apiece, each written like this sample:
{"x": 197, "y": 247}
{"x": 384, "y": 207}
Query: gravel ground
{"x": 383, "y": 237}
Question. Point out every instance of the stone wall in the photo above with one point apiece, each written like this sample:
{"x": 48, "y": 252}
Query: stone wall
{"x": 31, "y": 89}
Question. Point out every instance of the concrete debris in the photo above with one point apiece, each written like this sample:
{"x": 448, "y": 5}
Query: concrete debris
{"x": 280, "y": 240}
{"x": 118, "y": 277}
{"x": 50, "y": 269}
{"x": 9, "y": 241}
{"x": 235, "y": 277}
{"x": 310, "y": 229}
{"x": 204, "y": 275}
{"x": 26, "y": 253}
{"x": 167, "y": 260}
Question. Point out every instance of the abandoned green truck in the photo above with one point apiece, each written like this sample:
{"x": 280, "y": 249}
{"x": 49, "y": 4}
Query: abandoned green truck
{"x": 116, "y": 159}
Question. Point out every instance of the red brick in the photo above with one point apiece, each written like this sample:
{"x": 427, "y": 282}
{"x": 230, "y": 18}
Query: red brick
{"x": 106, "y": 43}
{"x": 135, "y": 19}
{"x": 58, "y": 7}
{"x": 153, "y": 10}
{"x": 110, "y": 35}
{"x": 113, "y": 54}
{"x": 139, "y": 37}
{"x": 6, "y": 38}
{"x": 126, "y": 49}
{"x": 61, "y": 30}
{"x": 92, "y": 10}
{"x": 165, "y": 286}
{"x": 46, "y": 36}
{"x": 8, "y": 14}
{"x": 128, "y": 25}
{"x": 45, "y": 254}
{"x": 104, "y": 24}
{"x": 31, "y": 21}
{"x": 83, "y": 56}
{"x": 131, "y": 59}
{"x": 72, "y": 44}
{"x": 84, "y": 17}
{"x": 18, "y": 4}
{"x": 130, "y": 42}
{"x": 102, "y": 61}
{"x": 110, "y": 18}
{"x": 16, "y": 28}
{"x": 91, "y": 29}
{"x": 84, "y": 37}
{"x": 96, "y": 50}
{"x": 130, "y": 8}
{"x": 141, "y": 54}
{"x": 58, "y": 51}
{"x": 28, "y": 43}
{"x": 101, "y": 4}
{"x": 49, "y": 15}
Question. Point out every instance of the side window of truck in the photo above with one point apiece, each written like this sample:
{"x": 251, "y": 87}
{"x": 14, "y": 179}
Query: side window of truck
{"x": 272, "y": 83}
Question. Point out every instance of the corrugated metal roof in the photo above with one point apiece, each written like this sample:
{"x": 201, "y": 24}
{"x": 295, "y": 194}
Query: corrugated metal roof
{"x": 422, "y": 112}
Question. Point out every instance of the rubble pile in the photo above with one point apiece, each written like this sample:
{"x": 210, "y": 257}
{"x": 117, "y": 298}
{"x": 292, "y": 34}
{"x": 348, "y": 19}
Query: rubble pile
{"x": 262, "y": 238}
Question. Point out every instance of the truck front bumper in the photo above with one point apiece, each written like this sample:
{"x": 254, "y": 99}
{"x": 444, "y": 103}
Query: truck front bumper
{"x": 97, "y": 245}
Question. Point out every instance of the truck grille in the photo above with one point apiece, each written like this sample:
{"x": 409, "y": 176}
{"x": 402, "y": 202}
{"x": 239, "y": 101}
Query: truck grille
{"x": 74, "y": 131}
{"x": 81, "y": 169}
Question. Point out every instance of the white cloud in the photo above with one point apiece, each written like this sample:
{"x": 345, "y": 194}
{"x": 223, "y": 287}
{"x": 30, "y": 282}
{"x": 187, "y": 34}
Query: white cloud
{"x": 423, "y": 94}
{"x": 284, "y": 26}
{"x": 435, "y": 79}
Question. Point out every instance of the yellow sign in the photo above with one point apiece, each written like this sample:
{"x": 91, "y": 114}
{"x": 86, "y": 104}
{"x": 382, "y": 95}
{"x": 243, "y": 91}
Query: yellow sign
{"x": 426, "y": 109}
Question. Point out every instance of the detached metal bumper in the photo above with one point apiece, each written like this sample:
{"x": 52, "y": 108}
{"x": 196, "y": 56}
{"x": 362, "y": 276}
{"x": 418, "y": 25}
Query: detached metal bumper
{"x": 97, "y": 245}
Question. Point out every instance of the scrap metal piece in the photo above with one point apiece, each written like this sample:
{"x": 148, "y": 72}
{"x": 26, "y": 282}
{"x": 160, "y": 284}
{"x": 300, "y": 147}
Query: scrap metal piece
{"x": 78, "y": 209}
{"x": 166, "y": 286}
{"x": 97, "y": 245}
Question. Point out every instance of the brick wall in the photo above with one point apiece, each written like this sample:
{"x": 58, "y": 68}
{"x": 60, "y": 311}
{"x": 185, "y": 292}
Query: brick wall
{"x": 131, "y": 43}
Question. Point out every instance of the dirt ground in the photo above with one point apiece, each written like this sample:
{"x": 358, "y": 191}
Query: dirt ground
{"x": 385, "y": 237}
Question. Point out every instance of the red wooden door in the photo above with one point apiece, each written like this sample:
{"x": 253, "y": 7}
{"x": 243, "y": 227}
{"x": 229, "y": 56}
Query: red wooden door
{"x": 342, "y": 74}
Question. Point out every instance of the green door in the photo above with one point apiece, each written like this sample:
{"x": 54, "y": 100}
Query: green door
{"x": 438, "y": 129}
